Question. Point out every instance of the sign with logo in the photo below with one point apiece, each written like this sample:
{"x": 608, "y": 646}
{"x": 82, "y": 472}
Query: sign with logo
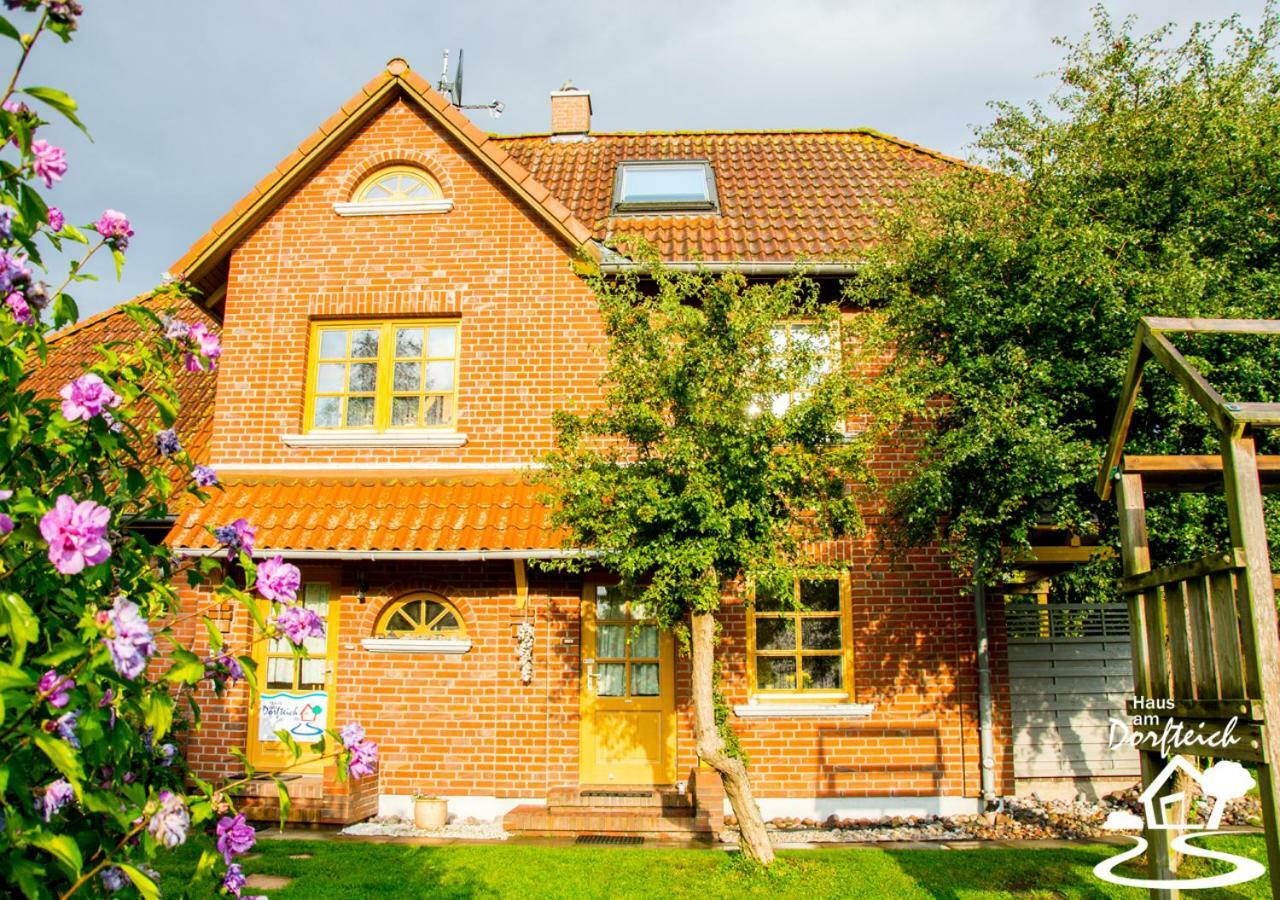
{"x": 303, "y": 716}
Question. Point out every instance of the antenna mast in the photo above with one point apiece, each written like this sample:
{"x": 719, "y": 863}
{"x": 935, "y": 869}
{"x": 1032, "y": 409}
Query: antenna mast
{"x": 452, "y": 88}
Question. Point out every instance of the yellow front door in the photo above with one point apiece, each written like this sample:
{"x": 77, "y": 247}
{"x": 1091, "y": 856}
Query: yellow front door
{"x": 628, "y": 709}
{"x": 295, "y": 695}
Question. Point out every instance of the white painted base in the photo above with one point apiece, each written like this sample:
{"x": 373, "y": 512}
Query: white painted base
{"x": 862, "y": 807}
{"x": 484, "y": 808}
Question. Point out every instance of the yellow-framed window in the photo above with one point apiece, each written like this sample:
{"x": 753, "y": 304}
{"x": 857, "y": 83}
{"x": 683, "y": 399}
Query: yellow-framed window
{"x": 379, "y": 376}
{"x": 287, "y": 672}
{"x": 800, "y": 641}
{"x": 421, "y": 615}
{"x": 397, "y": 184}
{"x": 819, "y": 340}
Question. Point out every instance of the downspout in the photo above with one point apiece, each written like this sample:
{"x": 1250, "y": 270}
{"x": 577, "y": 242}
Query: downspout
{"x": 986, "y": 749}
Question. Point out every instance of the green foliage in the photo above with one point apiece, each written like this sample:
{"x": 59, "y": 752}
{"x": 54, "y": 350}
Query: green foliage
{"x": 732, "y": 743}
{"x": 1148, "y": 185}
{"x": 684, "y": 481}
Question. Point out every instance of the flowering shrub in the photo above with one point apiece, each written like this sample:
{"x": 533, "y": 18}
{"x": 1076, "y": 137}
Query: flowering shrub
{"x": 93, "y": 787}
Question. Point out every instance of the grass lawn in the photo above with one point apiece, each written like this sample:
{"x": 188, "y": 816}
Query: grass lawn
{"x": 346, "y": 869}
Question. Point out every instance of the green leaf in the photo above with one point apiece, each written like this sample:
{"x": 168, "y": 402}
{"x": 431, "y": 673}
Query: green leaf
{"x": 187, "y": 667}
{"x": 287, "y": 739}
{"x": 157, "y": 713}
{"x": 11, "y": 677}
{"x": 61, "y": 102}
{"x": 64, "y": 310}
{"x": 63, "y": 849}
{"x": 284, "y": 800}
{"x": 118, "y": 257}
{"x": 61, "y": 754}
{"x": 74, "y": 233}
{"x": 168, "y": 412}
{"x": 18, "y": 621}
{"x": 7, "y": 30}
{"x": 146, "y": 887}
{"x": 215, "y": 634}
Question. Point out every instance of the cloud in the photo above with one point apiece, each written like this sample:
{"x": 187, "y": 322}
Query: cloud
{"x": 1120, "y": 820}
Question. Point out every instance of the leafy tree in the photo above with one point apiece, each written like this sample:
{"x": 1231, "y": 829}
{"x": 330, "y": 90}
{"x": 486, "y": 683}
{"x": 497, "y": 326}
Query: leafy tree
{"x": 1148, "y": 185}
{"x": 691, "y": 481}
{"x": 92, "y": 786}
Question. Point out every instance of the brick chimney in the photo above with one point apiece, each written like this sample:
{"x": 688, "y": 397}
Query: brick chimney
{"x": 570, "y": 112}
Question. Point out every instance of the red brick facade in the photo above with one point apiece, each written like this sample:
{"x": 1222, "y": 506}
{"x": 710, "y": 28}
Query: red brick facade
{"x": 464, "y": 725}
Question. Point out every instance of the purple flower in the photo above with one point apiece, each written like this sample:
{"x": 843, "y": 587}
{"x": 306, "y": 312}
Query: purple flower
{"x": 234, "y": 881}
{"x": 237, "y": 536}
{"x": 37, "y": 294}
{"x": 298, "y": 623}
{"x": 108, "y": 701}
{"x": 169, "y": 824}
{"x": 50, "y": 162}
{"x": 6, "y": 222}
{"x": 176, "y": 329}
{"x": 13, "y": 105}
{"x": 167, "y": 753}
{"x": 364, "y": 755}
{"x": 114, "y": 879}
{"x": 114, "y": 227}
{"x": 55, "y": 796}
{"x": 86, "y": 397}
{"x": 65, "y": 12}
{"x": 207, "y": 345}
{"x": 65, "y": 725}
{"x": 14, "y": 271}
{"x": 129, "y": 638}
{"x": 235, "y": 837}
{"x": 279, "y": 580}
{"x": 6, "y": 523}
{"x": 76, "y": 534}
{"x": 167, "y": 442}
{"x": 352, "y": 733}
{"x": 204, "y": 476}
{"x": 56, "y": 219}
{"x": 20, "y": 309}
{"x": 214, "y": 666}
{"x": 56, "y": 688}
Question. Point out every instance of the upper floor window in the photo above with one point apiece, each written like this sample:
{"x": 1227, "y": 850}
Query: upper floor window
{"x": 379, "y": 376}
{"x": 664, "y": 186}
{"x": 394, "y": 190}
{"x": 800, "y": 638}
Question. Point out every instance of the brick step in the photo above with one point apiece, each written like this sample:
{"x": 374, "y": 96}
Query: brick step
{"x": 618, "y": 798}
{"x": 561, "y": 821}
{"x": 299, "y": 787}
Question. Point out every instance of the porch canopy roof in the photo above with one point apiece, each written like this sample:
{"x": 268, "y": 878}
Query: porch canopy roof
{"x": 491, "y": 516}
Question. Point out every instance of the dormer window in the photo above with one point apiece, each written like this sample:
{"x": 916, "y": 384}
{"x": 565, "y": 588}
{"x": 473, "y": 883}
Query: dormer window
{"x": 396, "y": 190}
{"x": 650, "y": 185}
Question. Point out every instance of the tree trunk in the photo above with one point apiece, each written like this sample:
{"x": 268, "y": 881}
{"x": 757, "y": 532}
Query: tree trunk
{"x": 737, "y": 786}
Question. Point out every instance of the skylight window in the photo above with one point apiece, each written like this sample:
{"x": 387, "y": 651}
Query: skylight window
{"x": 664, "y": 186}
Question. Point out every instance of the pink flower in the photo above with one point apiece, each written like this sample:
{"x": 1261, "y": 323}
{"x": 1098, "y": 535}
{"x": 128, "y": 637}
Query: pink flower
{"x": 364, "y": 754}
{"x": 236, "y": 837}
{"x": 207, "y": 345}
{"x": 299, "y": 623}
{"x": 18, "y": 306}
{"x": 50, "y": 162}
{"x": 113, "y": 225}
{"x": 76, "y": 534}
{"x": 86, "y": 397}
{"x": 128, "y": 638}
{"x": 279, "y": 580}
{"x": 56, "y": 688}
{"x": 237, "y": 536}
{"x": 56, "y": 219}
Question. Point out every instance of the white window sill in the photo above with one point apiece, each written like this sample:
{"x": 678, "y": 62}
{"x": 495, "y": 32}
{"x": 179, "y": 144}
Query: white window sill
{"x": 392, "y": 207}
{"x": 423, "y": 438}
{"x": 804, "y": 710}
{"x": 415, "y": 645}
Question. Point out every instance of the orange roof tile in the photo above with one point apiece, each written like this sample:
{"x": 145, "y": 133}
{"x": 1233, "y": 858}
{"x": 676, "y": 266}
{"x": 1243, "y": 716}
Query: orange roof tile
{"x": 446, "y": 514}
{"x": 784, "y": 196}
{"x": 71, "y": 353}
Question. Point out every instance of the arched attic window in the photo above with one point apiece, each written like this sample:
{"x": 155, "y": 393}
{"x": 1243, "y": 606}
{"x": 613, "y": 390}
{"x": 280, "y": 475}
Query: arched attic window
{"x": 395, "y": 190}
{"x": 419, "y": 623}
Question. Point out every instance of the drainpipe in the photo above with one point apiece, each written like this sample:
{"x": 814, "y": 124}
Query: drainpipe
{"x": 985, "y": 741}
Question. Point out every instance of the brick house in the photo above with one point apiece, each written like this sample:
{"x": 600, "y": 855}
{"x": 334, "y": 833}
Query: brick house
{"x": 400, "y": 317}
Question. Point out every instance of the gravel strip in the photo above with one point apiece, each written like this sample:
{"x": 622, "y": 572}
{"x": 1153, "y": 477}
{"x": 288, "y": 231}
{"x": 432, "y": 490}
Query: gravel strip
{"x": 394, "y": 826}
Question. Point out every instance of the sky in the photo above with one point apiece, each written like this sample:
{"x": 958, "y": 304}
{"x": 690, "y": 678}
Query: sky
{"x": 191, "y": 103}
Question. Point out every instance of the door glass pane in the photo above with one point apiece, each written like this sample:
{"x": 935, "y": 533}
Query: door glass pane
{"x": 404, "y": 410}
{"x": 329, "y": 378}
{"x": 440, "y": 341}
{"x": 360, "y": 411}
{"x": 611, "y": 641}
{"x": 363, "y": 377}
{"x": 611, "y": 679}
{"x": 775, "y": 633}
{"x": 333, "y": 344}
{"x": 328, "y": 412}
{"x": 280, "y": 673}
{"x": 820, "y": 596}
{"x": 820, "y": 634}
{"x": 644, "y": 680}
{"x": 439, "y": 376}
{"x": 822, "y": 673}
{"x": 408, "y": 342}
{"x": 644, "y": 641}
{"x": 364, "y": 343}
{"x": 776, "y": 673}
{"x": 608, "y": 603}
{"x": 312, "y": 677}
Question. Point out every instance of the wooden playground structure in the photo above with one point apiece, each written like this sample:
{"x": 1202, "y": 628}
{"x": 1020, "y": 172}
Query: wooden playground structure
{"x": 1204, "y": 632}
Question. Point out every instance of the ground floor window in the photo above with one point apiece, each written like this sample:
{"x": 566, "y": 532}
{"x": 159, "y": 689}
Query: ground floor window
{"x": 800, "y": 639}
{"x": 421, "y": 616}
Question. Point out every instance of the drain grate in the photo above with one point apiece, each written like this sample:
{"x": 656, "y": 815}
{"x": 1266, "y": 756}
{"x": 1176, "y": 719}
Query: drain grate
{"x": 616, "y": 794}
{"x": 608, "y": 839}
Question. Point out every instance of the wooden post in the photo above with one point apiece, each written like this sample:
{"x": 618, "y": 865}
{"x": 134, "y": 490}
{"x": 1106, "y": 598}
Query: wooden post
{"x": 1135, "y": 554}
{"x": 1261, "y": 642}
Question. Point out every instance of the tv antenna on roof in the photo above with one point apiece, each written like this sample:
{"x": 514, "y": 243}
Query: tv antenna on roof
{"x": 453, "y": 89}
